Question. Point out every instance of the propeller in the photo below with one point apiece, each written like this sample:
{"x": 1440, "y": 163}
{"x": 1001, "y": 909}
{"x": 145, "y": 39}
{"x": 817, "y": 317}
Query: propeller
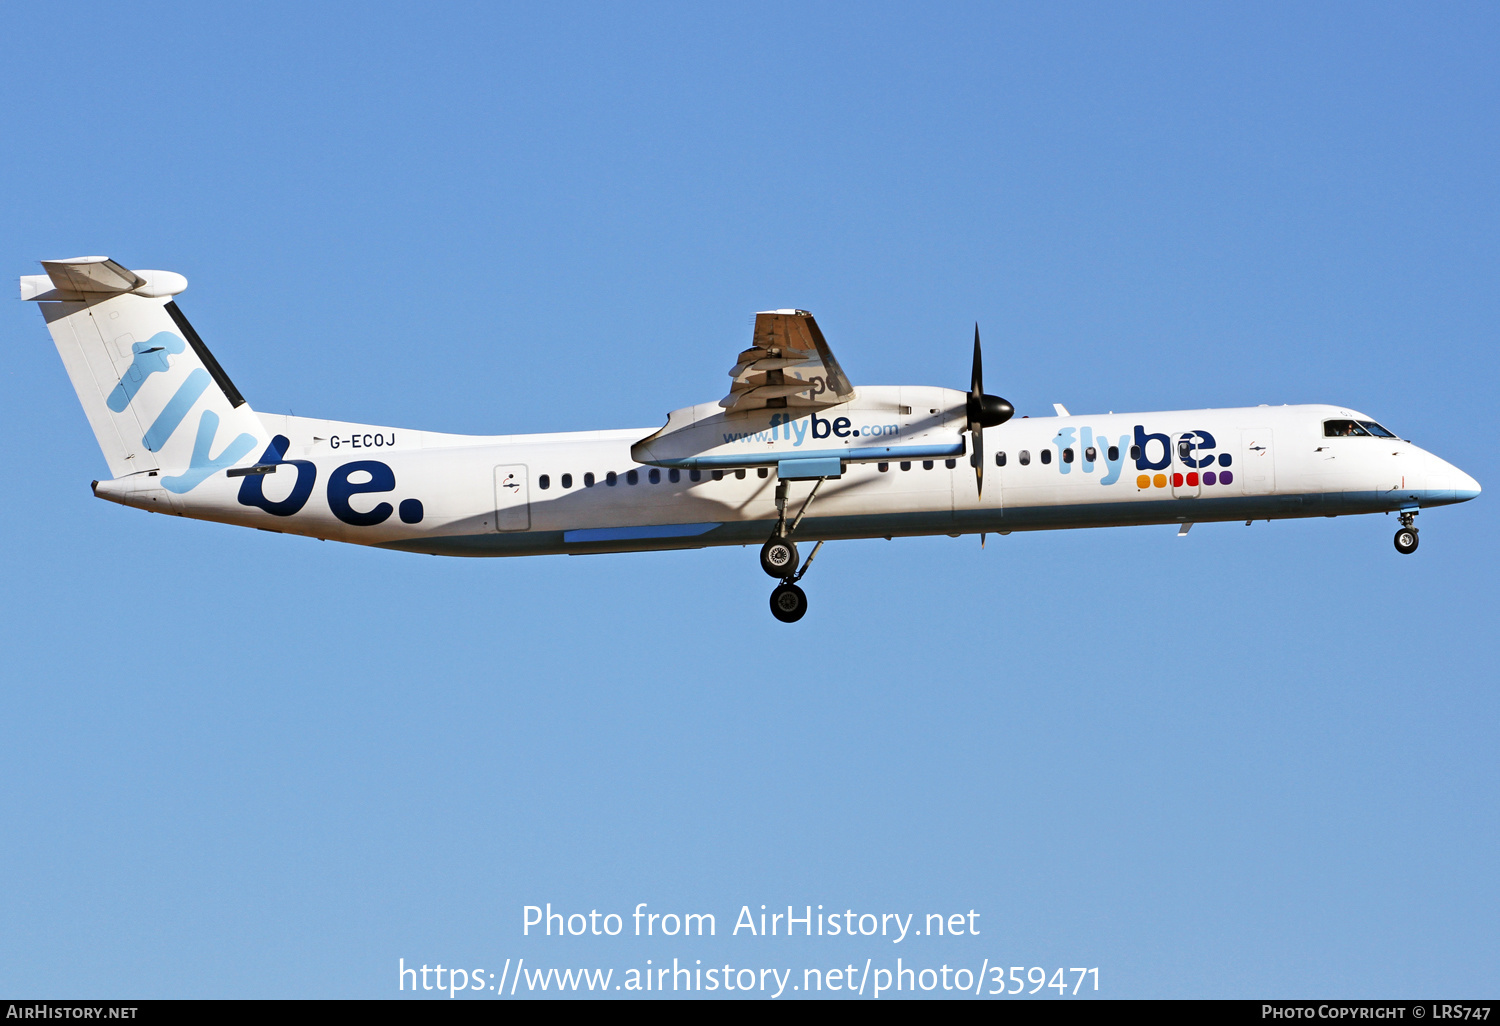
{"x": 984, "y": 411}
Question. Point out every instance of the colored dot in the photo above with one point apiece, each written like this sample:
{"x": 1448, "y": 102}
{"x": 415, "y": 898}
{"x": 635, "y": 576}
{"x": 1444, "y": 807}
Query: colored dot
{"x": 1160, "y": 480}
{"x": 1192, "y": 480}
{"x": 1144, "y": 481}
{"x": 1224, "y": 461}
{"x": 1210, "y": 477}
{"x": 1226, "y": 477}
{"x": 1176, "y": 480}
{"x": 411, "y": 511}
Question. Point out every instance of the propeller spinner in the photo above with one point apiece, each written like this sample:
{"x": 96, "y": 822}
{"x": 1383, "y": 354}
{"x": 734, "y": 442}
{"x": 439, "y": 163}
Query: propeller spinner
{"x": 984, "y": 411}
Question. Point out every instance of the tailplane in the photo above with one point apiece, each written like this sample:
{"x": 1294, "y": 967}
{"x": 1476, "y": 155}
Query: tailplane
{"x": 158, "y": 401}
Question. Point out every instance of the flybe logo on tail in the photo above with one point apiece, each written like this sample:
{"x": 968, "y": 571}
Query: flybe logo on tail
{"x": 153, "y": 356}
{"x": 149, "y": 357}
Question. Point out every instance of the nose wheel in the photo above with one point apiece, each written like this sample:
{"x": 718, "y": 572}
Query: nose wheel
{"x": 1406, "y": 537}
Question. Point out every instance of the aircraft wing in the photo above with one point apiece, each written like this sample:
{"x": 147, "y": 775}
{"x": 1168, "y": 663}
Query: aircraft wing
{"x": 788, "y": 364}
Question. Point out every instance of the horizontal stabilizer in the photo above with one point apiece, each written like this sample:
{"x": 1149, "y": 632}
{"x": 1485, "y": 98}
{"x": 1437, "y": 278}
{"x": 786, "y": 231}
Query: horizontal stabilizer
{"x": 91, "y": 274}
{"x": 97, "y": 277}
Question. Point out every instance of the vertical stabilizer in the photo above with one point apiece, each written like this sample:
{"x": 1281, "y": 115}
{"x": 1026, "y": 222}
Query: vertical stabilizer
{"x": 153, "y": 393}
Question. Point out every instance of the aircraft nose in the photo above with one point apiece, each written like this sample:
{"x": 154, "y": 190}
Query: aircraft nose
{"x": 1450, "y": 479}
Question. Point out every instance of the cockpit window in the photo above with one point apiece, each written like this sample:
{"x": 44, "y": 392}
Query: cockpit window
{"x": 1342, "y": 429}
{"x": 1375, "y": 429}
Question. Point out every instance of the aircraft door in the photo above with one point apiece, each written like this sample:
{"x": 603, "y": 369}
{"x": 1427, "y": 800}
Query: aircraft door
{"x": 1186, "y": 483}
{"x": 1257, "y": 467}
{"x": 512, "y": 500}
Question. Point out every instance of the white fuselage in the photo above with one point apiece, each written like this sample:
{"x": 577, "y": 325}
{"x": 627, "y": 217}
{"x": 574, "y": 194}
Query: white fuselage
{"x": 583, "y": 492}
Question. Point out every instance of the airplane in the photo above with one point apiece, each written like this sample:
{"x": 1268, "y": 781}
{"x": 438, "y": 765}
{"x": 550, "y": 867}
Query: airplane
{"x": 794, "y": 453}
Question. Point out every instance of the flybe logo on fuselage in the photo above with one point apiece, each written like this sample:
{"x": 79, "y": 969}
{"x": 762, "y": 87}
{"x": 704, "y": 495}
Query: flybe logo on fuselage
{"x": 784, "y": 428}
{"x": 1195, "y": 452}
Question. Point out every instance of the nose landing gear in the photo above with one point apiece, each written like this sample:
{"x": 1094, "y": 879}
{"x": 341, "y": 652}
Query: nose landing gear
{"x": 1406, "y": 537}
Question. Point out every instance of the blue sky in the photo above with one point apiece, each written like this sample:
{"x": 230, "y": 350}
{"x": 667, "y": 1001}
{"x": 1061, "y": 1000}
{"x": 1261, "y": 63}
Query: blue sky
{"x": 1256, "y": 761}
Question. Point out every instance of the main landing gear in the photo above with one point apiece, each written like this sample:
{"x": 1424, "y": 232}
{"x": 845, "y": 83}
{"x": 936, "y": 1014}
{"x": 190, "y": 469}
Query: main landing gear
{"x": 1406, "y": 537}
{"x": 778, "y": 558}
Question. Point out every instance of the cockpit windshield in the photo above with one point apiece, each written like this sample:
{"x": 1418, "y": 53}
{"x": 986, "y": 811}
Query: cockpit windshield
{"x": 1342, "y": 429}
{"x": 1354, "y": 429}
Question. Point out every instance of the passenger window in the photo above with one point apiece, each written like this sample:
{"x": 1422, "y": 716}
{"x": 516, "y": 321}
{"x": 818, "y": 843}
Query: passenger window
{"x": 1046, "y": 455}
{"x": 674, "y": 475}
{"x": 544, "y": 482}
{"x": 906, "y": 464}
{"x": 609, "y": 479}
{"x": 763, "y": 472}
{"x": 1025, "y": 457}
{"x": 1135, "y": 452}
{"x": 654, "y": 476}
{"x": 632, "y": 477}
{"x": 926, "y": 464}
{"x": 695, "y": 475}
{"x": 1185, "y": 449}
{"x": 740, "y": 473}
{"x": 1375, "y": 429}
{"x": 718, "y": 475}
{"x": 950, "y": 464}
{"x": 1090, "y": 454}
{"x": 1114, "y": 453}
{"x": 588, "y": 479}
{"x": 1342, "y": 429}
{"x": 567, "y": 480}
{"x": 882, "y": 467}
{"x": 1067, "y": 455}
{"x": 1000, "y": 459}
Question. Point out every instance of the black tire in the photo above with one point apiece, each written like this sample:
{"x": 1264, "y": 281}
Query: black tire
{"x": 788, "y": 603}
{"x": 1406, "y": 540}
{"x": 778, "y": 558}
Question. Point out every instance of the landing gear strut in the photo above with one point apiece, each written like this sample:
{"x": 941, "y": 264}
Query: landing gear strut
{"x": 1406, "y": 537}
{"x": 778, "y": 558}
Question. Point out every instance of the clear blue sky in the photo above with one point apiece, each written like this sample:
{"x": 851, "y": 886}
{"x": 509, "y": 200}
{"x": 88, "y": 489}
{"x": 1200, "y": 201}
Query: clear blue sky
{"x": 1253, "y": 761}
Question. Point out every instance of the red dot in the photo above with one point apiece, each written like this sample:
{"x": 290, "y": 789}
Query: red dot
{"x": 1193, "y": 479}
{"x": 1176, "y": 480}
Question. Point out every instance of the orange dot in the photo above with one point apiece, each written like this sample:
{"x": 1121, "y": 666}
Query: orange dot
{"x": 1160, "y": 480}
{"x": 1144, "y": 481}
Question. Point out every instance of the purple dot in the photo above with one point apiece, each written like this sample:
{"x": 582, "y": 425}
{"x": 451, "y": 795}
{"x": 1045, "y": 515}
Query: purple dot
{"x": 1209, "y": 478}
{"x": 1226, "y": 477}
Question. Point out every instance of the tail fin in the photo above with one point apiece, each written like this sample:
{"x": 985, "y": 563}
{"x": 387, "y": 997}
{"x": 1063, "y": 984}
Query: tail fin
{"x": 142, "y": 373}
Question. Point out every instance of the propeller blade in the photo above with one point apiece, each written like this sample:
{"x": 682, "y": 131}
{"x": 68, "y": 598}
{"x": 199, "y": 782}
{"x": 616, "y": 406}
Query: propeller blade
{"x": 976, "y": 380}
{"x": 983, "y": 411}
{"x": 978, "y": 458}
{"x": 976, "y": 415}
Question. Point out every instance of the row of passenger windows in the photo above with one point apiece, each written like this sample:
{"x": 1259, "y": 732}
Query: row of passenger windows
{"x": 653, "y": 475}
{"x": 1090, "y": 455}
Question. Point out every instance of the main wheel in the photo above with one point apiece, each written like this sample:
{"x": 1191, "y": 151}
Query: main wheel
{"x": 788, "y": 603}
{"x": 1406, "y": 540}
{"x": 778, "y": 557}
